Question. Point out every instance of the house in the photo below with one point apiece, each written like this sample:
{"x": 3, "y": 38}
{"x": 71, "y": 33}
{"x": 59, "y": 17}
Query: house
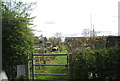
{"x": 51, "y": 47}
{"x": 49, "y": 44}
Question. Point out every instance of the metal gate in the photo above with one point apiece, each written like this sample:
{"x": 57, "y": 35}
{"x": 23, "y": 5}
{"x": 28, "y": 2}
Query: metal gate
{"x": 69, "y": 65}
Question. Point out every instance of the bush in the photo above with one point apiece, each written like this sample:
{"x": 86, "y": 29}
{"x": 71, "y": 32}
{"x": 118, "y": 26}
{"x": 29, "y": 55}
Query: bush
{"x": 17, "y": 36}
{"x": 96, "y": 64}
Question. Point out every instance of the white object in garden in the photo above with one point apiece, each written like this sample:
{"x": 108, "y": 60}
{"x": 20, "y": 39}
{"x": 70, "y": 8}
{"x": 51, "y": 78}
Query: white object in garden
{"x": 21, "y": 70}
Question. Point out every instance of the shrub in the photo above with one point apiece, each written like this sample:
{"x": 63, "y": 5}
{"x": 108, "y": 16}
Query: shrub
{"x": 96, "y": 64}
{"x": 17, "y": 36}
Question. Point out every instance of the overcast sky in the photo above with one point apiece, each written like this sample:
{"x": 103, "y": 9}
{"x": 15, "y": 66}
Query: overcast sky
{"x": 70, "y": 17}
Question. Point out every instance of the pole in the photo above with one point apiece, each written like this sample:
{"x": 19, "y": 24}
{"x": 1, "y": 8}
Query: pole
{"x": 70, "y": 66}
{"x": 32, "y": 68}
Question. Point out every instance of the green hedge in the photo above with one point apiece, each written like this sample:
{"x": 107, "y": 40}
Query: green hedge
{"x": 17, "y": 36}
{"x": 96, "y": 64}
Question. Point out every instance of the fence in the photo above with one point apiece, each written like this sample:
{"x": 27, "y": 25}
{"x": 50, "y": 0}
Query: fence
{"x": 69, "y": 65}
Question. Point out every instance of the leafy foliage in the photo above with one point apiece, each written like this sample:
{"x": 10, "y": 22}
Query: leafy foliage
{"x": 55, "y": 40}
{"x": 79, "y": 43}
{"x": 17, "y": 36}
{"x": 96, "y": 64}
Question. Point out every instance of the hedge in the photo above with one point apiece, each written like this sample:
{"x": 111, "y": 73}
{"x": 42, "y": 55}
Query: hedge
{"x": 96, "y": 64}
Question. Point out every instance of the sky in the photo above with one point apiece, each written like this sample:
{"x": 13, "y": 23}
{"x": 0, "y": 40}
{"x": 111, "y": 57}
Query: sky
{"x": 70, "y": 17}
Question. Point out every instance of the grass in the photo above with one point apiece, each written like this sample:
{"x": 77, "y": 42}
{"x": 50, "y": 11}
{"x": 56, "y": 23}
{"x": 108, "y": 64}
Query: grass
{"x": 53, "y": 69}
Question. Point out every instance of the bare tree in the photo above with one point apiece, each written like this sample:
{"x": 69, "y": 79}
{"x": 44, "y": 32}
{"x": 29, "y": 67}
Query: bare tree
{"x": 58, "y": 35}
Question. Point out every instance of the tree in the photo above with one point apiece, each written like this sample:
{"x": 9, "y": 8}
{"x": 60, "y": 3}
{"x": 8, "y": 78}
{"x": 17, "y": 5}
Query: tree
{"x": 52, "y": 39}
{"x": 36, "y": 40}
{"x": 45, "y": 39}
{"x": 17, "y": 36}
{"x": 58, "y": 35}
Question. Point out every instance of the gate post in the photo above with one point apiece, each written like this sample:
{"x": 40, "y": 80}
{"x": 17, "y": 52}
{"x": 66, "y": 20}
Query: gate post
{"x": 70, "y": 66}
{"x": 28, "y": 69}
{"x": 32, "y": 68}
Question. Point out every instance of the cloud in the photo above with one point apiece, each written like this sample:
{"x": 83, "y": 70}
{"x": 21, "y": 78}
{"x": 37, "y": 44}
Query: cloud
{"x": 50, "y": 22}
{"x": 73, "y": 35}
{"x": 115, "y": 16}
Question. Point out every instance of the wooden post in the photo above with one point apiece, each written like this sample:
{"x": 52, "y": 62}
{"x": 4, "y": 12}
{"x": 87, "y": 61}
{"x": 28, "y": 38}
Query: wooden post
{"x": 32, "y": 67}
{"x": 67, "y": 66}
{"x": 28, "y": 69}
{"x": 70, "y": 66}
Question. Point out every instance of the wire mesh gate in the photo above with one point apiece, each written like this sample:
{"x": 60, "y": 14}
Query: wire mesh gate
{"x": 69, "y": 65}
